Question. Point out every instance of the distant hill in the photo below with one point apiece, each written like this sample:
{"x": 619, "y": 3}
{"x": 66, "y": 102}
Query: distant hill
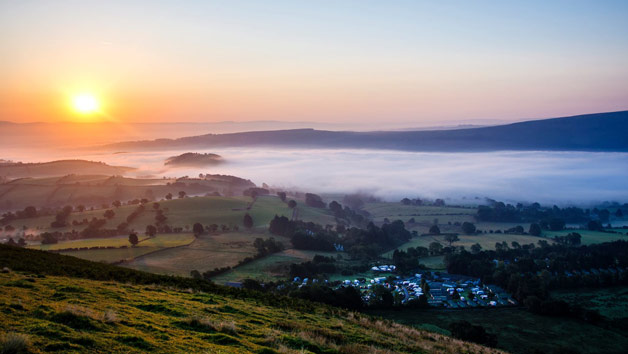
{"x": 59, "y": 168}
{"x": 194, "y": 159}
{"x": 591, "y": 132}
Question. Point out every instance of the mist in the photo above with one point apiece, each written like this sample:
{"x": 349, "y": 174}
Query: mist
{"x": 578, "y": 178}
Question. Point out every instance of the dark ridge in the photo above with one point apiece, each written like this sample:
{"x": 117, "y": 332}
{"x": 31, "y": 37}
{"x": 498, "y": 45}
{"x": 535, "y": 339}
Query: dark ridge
{"x": 591, "y": 132}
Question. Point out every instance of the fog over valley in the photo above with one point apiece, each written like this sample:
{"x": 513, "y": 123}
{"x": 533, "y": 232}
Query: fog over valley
{"x": 528, "y": 176}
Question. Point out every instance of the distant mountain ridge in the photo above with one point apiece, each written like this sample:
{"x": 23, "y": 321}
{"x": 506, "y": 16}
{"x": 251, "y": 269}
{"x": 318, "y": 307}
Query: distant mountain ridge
{"x": 590, "y": 132}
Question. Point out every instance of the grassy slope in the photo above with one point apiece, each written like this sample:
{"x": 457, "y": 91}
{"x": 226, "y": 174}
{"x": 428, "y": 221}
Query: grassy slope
{"x": 609, "y": 302}
{"x": 60, "y": 313}
{"x": 519, "y": 331}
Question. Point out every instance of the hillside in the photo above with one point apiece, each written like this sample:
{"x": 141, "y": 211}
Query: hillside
{"x": 60, "y": 303}
{"x": 59, "y": 168}
{"x": 592, "y": 132}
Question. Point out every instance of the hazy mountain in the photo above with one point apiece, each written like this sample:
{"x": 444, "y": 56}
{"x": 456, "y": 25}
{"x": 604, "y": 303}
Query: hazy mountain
{"x": 591, "y": 132}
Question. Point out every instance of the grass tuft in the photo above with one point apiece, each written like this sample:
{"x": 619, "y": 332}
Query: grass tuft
{"x": 14, "y": 343}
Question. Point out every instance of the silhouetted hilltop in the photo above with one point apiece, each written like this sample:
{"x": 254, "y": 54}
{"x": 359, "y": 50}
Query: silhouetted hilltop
{"x": 591, "y": 132}
{"x": 194, "y": 159}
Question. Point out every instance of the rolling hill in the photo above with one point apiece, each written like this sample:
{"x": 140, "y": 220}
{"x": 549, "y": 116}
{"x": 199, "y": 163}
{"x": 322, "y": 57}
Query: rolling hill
{"x": 591, "y": 132}
{"x": 61, "y": 304}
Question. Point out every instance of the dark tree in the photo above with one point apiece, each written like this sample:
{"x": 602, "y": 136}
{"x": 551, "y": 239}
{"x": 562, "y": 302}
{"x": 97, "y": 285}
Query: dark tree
{"x": 472, "y": 333}
{"x": 434, "y": 229}
{"x": 151, "y": 230}
{"x": 247, "y": 221}
{"x": 116, "y": 203}
{"x": 169, "y": 196}
{"x": 535, "y": 229}
{"x": 619, "y": 213}
{"x": 476, "y": 248}
{"x": 468, "y": 228}
{"x": 21, "y": 242}
{"x": 198, "y": 229}
{"x": 31, "y": 212}
{"x": 292, "y": 203}
{"x": 133, "y": 240}
{"x": 109, "y": 214}
{"x": 182, "y": 194}
{"x": 282, "y": 196}
{"x": 451, "y": 238}
{"x": 155, "y": 206}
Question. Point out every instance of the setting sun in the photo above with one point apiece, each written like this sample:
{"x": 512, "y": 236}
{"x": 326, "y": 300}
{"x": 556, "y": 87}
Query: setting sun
{"x": 85, "y": 103}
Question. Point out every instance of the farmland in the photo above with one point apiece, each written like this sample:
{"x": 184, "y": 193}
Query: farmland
{"x": 205, "y": 253}
{"x": 271, "y": 268}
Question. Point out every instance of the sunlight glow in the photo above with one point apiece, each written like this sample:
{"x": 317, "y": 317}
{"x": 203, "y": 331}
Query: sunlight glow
{"x": 85, "y": 103}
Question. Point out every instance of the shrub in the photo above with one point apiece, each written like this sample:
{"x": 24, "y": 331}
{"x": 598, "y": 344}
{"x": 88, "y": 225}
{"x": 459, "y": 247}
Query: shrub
{"x": 13, "y": 343}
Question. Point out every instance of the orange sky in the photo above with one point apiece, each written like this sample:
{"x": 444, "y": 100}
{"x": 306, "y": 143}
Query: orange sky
{"x": 402, "y": 62}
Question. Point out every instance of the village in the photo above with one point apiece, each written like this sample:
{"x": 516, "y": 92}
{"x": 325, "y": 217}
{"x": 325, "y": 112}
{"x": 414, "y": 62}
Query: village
{"x": 442, "y": 290}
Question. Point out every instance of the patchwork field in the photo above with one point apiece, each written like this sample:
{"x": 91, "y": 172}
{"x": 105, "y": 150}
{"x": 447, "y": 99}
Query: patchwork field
{"x": 205, "y": 253}
{"x": 487, "y": 241}
{"x": 591, "y": 237}
{"x": 271, "y": 268}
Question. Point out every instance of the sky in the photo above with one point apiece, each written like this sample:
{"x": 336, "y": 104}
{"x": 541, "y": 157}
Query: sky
{"x": 357, "y": 62}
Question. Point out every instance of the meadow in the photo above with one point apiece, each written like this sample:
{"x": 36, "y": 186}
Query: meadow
{"x": 61, "y": 314}
{"x": 519, "y": 331}
{"x": 207, "y": 252}
{"x": 270, "y": 268}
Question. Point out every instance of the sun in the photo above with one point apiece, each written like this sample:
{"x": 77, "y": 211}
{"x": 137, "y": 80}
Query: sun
{"x": 85, "y": 103}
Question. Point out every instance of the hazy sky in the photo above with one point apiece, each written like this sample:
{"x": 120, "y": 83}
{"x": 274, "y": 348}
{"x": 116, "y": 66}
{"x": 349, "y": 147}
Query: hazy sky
{"x": 324, "y": 61}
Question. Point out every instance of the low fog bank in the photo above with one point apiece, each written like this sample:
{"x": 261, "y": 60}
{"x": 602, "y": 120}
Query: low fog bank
{"x": 563, "y": 178}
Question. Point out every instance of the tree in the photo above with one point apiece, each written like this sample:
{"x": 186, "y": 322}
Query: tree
{"x": 48, "y": 238}
{"x": 31, "y": 212}
{"x": 282, "y": 196}
{"x": 468, "y": 228}
{"x": 247, "y": 221}
{"x": 556, "y": 224}
{"x": 535, "y": 230}
{"x": 198, "y": 229}
{"x": 451, "y": 238}
{"x": 109, "y": 214}
{"x": 80, "y": 208}
{"x": 476, "y": 248}
{"x": 435, "y": 248}
{"x": 434, "y": 229}
{"x": 155, "y": 206}
{"x": 151, "y": 230}
{"x": 133, "y": 240}
{"x": 182, "y": 194}
{"x": 21, "y": 242}
{"x": 116, "y": 203}
{"x": 292, "y": 203}
{"x": 169, "y": 196}
{"x": 619, "y": 213}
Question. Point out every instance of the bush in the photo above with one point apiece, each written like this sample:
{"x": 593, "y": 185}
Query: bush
{"x": 13, "y": 343}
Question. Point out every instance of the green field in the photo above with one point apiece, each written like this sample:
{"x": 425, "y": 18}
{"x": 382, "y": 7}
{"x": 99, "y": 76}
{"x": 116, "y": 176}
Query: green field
{"x": 146, "y": 245}
{"x": 609, "y": 302}
{"x": 487, "y": 241}
{"x": 60, "y": 314}
{"x": 271, "y": 268}
{"x": 591, "y": 237}
{"x": 159, "y": 241}
{"x": 205, "y": 253}
{"x": 519, "y": 331}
